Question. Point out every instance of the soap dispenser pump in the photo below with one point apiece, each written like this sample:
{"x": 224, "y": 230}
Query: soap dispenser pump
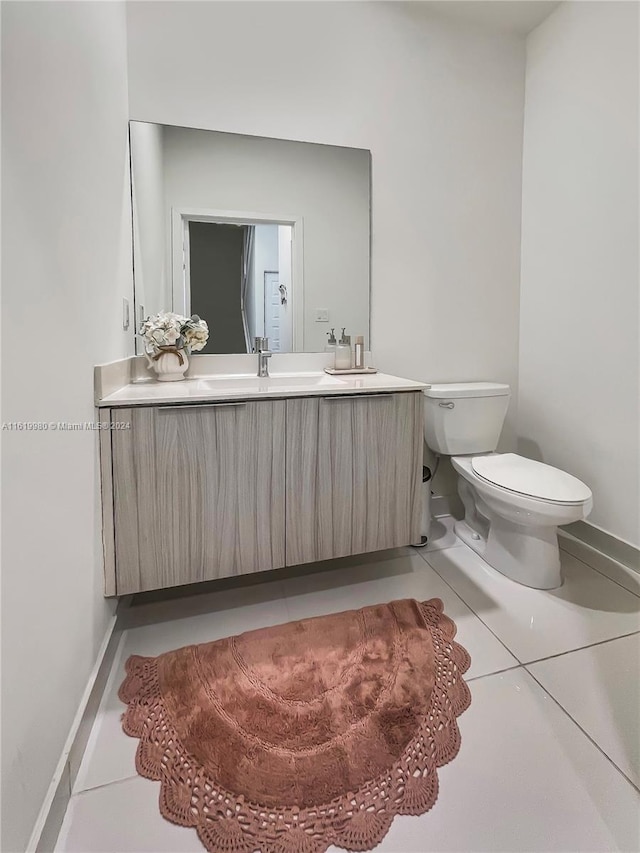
{"x": 343, "y": 352}
{"x": 331, "y": 343}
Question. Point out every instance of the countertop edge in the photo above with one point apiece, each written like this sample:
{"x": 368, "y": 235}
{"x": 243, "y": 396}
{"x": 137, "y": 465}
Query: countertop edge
{"x": 375, "y": 384}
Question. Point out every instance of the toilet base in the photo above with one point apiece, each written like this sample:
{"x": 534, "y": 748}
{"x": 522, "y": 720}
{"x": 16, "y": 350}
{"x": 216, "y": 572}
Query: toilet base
{"x": 528, "y": 555}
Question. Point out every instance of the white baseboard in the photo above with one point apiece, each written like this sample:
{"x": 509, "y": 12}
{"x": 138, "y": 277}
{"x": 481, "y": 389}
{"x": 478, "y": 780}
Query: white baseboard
{"x": 611, "y": 546}
{"x": 49, "y": 821}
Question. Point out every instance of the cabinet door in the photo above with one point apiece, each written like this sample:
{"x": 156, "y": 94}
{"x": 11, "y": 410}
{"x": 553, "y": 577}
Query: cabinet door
{"x": 354, "y": 473}
{"x": 198, "y": 493}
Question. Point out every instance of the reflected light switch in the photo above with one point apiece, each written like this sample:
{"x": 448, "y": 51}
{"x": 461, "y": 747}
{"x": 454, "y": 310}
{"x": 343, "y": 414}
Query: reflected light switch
{"x": 322, "y": 315}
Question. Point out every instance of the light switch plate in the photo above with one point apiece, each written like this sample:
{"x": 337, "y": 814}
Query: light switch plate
{"x": 322, "y": 315}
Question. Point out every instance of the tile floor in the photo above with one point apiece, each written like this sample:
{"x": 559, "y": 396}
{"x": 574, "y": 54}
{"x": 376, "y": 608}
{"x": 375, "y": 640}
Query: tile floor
{"x": 550, "y": 757}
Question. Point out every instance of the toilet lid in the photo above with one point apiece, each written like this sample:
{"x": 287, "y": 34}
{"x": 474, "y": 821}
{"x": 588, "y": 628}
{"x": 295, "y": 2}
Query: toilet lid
{"x": 527, "y": 477}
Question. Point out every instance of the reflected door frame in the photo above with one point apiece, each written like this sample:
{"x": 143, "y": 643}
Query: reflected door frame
{"x": 272, "y": 277}
{"x": 181, "y": 297}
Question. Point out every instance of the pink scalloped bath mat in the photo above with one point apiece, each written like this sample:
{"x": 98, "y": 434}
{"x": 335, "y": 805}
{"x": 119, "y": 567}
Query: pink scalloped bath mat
{"x": 293, "y": 738}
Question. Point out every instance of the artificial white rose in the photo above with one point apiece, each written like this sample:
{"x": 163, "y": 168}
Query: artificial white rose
{"x": 196, "y": 334}
{"x": 167, "y": 328}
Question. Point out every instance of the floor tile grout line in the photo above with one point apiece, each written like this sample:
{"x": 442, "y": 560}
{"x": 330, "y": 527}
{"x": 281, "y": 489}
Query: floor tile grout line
{"x": 107, "y": 784}
{"x": 581, "y": 648}
{"x": 603, "y": 574}
{"x": 466, "y": 604}
{"x": 497, "y": 672}
{"x": 548, "y": 657}
{"x": 468, "y": 680}
{"x": 584, "y": 732}
{"x": 523, "y": 663}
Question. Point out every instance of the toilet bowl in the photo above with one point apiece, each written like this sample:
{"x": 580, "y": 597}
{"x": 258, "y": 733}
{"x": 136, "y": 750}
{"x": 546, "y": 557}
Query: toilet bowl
{"x": 513, "y": 505}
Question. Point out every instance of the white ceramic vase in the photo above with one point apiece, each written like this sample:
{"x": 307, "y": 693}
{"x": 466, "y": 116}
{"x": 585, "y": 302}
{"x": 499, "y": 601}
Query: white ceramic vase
{"x": 170, "y": 364}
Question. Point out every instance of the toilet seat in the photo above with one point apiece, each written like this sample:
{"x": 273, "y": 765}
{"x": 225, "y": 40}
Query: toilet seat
{"x": 528, "y": 477}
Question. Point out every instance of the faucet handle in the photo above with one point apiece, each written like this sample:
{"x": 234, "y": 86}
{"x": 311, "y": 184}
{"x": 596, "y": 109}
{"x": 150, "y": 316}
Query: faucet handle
{"x": 261, "y": 344}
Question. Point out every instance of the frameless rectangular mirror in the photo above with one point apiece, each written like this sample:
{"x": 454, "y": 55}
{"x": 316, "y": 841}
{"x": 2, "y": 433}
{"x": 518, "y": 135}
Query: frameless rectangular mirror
{"x": 259, "y": 237}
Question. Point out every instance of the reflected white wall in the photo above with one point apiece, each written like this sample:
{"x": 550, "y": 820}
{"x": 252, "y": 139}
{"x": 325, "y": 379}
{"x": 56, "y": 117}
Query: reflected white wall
{"x": 265, "y": 257}
{"x": 149, "y": 220}
{"x": 326, "y": 186}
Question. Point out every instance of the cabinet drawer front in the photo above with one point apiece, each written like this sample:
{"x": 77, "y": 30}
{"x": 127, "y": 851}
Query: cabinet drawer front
{"x": 354, "y": 469}
{"x": 198, "y": 493}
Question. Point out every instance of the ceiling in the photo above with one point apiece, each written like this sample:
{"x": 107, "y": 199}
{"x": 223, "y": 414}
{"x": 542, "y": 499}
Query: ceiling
{"x": 516, "y": 16}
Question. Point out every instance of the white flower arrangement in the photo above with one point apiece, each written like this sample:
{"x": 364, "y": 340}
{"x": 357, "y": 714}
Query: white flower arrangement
{"x": 167, "y": 329}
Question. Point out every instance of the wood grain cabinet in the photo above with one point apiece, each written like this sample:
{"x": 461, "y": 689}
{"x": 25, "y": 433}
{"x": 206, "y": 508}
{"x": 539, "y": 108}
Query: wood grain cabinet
{"x": 198, "y": 492}
{"x": 354, "y": 473}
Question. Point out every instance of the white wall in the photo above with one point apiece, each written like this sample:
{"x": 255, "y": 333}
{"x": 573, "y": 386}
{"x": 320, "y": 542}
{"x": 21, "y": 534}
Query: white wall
{"x": 285, "y": 279}
{"x": 150, "y": 222}
{"x": 265, "y": 257}
{"x": 65, "y": 267}
{"x": 439, "y": 106}
{"x": 578, "y": 405}
{"x": 327, "y": 186}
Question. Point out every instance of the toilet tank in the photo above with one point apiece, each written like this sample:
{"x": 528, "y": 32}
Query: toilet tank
{"x": 465, "y": 418}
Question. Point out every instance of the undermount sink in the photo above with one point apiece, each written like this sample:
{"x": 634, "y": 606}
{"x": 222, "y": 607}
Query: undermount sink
{"x": 269, "y": 383}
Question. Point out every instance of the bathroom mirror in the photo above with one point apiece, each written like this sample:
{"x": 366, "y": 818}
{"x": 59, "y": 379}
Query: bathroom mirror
{"x": 259, "y": 237}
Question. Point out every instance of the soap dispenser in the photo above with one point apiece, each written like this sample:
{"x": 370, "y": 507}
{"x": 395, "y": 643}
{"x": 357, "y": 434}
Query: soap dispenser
{"x": 343, "y": 352}
{"x": 331, "y": 343}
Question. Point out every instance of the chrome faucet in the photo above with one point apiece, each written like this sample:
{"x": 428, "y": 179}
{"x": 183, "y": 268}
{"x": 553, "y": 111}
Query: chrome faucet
{"x": 262, "y": 348}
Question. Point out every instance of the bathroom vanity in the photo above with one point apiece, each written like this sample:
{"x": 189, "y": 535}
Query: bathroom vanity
{"x": 223, "y": 476}
{"x": 229, "y": 473}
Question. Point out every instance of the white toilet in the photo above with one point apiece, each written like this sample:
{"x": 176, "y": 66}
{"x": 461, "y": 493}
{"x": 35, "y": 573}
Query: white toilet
{"x": 513, "y": 505}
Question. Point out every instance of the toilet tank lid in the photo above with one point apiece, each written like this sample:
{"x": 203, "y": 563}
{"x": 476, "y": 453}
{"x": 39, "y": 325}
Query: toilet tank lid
{"x": 467, "y": 389}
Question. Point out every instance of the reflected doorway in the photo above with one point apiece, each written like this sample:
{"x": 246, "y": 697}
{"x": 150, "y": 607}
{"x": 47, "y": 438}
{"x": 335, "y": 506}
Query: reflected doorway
{"x": 238, "y": 277}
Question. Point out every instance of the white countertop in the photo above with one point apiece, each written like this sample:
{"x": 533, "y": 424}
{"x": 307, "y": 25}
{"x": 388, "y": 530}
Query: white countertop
{"x": 251, "y": 387}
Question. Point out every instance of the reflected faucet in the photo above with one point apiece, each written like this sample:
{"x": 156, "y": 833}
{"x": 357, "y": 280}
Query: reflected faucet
{"x": 262, "y": 348}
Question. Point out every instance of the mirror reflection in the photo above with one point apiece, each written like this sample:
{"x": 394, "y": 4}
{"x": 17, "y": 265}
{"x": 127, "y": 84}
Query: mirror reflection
{"x": 241, "y": 275}
{"x": 259, "y": 237}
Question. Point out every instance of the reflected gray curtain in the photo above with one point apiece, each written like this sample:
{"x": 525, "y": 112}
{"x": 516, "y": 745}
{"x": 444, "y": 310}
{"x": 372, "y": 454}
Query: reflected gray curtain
{"x": 247, "y": 254}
